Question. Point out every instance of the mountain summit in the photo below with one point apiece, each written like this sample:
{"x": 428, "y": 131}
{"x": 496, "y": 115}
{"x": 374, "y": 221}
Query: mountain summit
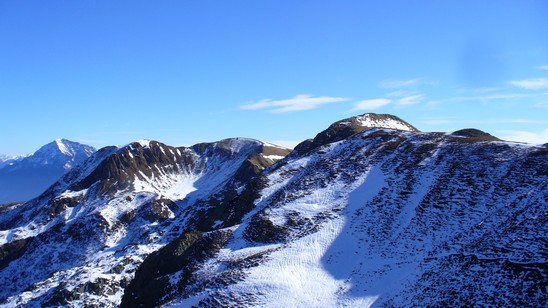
{"x": 24, "y": 179}
{"x": 345, "y": 128}
{"x": 374, "y": 120}
{"x": 61, "y": 152}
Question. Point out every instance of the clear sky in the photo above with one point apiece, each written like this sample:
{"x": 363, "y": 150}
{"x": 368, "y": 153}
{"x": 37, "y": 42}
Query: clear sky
{"x": 183, "y": 72}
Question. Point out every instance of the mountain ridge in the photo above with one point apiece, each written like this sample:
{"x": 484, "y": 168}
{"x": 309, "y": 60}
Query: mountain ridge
{"x": 120, "y": 200}
{"x": 360, "y": 215}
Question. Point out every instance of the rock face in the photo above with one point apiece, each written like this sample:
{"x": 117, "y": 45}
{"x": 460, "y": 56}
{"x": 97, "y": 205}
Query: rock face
{"x": 369, "y": 212}
{"x": 22, "y": 179}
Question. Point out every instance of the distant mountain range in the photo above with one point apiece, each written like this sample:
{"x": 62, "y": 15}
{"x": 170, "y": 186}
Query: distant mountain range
{"x": 369, "y": 212}
{"x": 10, "y": 159}
{"x": 25, "y": 177}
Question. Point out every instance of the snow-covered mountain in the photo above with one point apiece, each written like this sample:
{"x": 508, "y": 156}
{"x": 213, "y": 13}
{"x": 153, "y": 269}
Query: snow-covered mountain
{"x": 369, "y": 212}
{"x": 81, "y": 241}
{"x": 25, "y": 177}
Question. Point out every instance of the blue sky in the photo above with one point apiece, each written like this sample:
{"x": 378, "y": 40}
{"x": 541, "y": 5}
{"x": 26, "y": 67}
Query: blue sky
{"x": 183, "y": 72}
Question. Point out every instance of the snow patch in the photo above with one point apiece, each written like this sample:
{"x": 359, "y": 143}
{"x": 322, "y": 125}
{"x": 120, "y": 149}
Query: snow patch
{"x": 368, "y": 121}
{"x": 63, "y": 147}
{"x": 145, "y": 143}
{"x": 273, "y": 157}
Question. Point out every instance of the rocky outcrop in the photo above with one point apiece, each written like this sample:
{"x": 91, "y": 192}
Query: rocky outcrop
{"x": 343, "y": 129}
{"x": 182, "y": 256}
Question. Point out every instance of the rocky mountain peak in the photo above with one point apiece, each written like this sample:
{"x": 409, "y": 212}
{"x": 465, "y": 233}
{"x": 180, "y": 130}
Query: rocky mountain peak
{"x": 345, "y": 128}
{"x": 25, "y": 178}
{"x": 374, "y": 120}
{"x": 61, "y": 152}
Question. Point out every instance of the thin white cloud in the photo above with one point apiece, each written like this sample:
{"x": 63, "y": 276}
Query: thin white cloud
{"x": 542, "y": 105}
{"x": 297, "y": 103}
{"x": 410, "y": 100}
{"x": 370, "y": 104}
{"x": 543, "y": 67}
{"x": 531, "y": 84}
{"x": 401, "y": 93}
{"x": 406, "y": 83}
{"x": 525, "y": 136}
{"x": 432, "y": 104}
{"x": 393, "y": 84}
{"x": 480, "y": 90}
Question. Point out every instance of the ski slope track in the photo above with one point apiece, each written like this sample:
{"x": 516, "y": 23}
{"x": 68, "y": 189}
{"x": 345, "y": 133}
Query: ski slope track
{"x": 370, "y": 212}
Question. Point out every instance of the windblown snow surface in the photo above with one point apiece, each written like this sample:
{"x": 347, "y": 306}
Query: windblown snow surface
{"x": 389, "y": 218}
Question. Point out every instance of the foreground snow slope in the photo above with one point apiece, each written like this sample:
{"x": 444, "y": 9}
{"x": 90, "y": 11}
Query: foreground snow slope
{"x": 383, "y": 217}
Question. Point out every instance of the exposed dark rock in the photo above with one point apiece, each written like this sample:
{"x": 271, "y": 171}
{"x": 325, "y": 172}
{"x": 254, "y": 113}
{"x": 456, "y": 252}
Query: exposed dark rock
{"x": 158, "y": 210}
{"x": 228, "y": 209}
{"x": 262, "y": 230}
{"x": 107, "y": 179}
{"x": 128, "y": 216}
{"x": 58, "y": 205}
{"x": 63, "y": 297}
{"x": 150, "y": 285}
{"x": 13, "y": 250}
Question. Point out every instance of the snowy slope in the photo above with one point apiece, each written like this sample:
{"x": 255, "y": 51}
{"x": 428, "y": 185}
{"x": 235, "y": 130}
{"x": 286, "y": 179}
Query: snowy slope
{"x": 26, "y": 177}
{"x": 383, "y": 218}
{"x": 370, "y": 212}
{"x": 81, "y": 241}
